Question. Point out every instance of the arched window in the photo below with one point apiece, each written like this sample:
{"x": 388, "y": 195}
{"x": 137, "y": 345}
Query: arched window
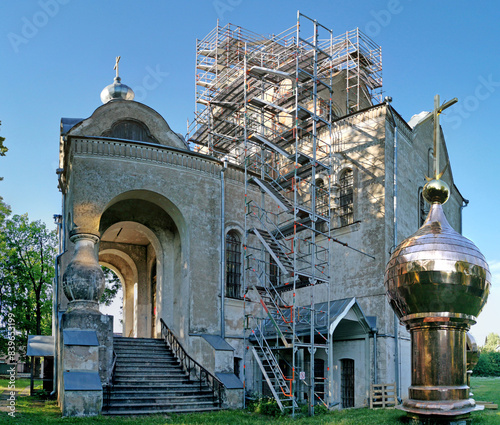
{"x": 322, "y": 197}
{"x": 346, "y": 198}
{"x": 130, "y": 130}
{"x": 233, "y": 265}
{"x": 423, "y": 208}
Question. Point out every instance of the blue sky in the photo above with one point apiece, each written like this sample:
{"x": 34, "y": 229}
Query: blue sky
{"x": 57, "y": 55}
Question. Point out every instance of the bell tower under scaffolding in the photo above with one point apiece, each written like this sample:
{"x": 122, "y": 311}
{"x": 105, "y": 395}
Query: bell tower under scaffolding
{"x": 266, "y": 104}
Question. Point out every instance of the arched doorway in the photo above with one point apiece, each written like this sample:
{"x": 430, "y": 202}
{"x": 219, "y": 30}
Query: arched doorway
{"x": 141, "y": 240}
{"x": 114, "y": 300}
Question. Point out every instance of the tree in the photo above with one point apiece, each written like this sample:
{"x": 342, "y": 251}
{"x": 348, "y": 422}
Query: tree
{"x": 488, "y": 364}
{"x": 113, "y": 285}
{"x": 4, "y": 208}
{"x": 489, "y": 359}
{"x": 3, "y": 148}
{"x": 27, "y": 254}
{"x": 491, "y": 343}
{"x": 4, "y": 211}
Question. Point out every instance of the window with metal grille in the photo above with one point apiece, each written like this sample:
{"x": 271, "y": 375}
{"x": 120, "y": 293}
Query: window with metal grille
{"x": 273, "y": 272}
{"x": 322, "y": 197}
{"x": 233, "y": 265}
{"x": 347, "y": 382}
{"x": 346, "y": 198}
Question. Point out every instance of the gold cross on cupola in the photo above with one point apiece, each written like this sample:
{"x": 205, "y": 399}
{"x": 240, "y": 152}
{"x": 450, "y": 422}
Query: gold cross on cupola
{"x": 437, "y": 133}
{"x": 116, "y": 65}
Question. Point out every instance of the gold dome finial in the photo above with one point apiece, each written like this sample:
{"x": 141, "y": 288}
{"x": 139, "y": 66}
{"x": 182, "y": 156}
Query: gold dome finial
{"x": 436, "y": 191}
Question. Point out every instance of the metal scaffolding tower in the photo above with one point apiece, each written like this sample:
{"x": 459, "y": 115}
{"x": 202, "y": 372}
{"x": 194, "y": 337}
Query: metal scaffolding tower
{"x": 266, "y": 104}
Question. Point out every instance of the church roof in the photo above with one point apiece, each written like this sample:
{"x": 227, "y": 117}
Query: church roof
{"x": 68, "y": 123}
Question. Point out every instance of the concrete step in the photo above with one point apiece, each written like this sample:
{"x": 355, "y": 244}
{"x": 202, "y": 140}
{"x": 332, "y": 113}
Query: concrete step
{"x": 129, "y": 377}
{"x": 138, "y": 382}
{"x": 124, "y": 339}
{"x": 147, "y": 369}
{"x": 166, "y": 399}
{"x": 128, "y": 394}
{"x": 156, "y": 343}
{"x": 161, "y": 405}
{"x": 134, "y": 349}
{"x": 149, "y": 379}
{"x": 144, "y": 356}
{"x": 158, "y": 411}
{"x": 131, "y": 394}
{"x": 159, "y": 384}
{"x": 156, "y": 358}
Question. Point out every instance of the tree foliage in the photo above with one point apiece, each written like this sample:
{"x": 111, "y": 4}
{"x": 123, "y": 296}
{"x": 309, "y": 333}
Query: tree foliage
{"x": 491, "y": 343}
{"x": 3, "y": 151}
{"x": 4, "y": 212}
{"x": 489, "y": 360}
{"x": 488, "y": 364}
{"x": 27, "y": 253}
{"x": 3, "y": 148}
{"x": 113, "y": 286}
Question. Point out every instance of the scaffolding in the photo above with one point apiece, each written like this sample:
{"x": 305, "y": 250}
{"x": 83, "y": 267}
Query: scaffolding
{"x": 266, "y": 104}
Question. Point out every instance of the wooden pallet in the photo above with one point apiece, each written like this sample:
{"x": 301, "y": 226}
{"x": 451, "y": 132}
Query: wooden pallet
{"x": 382, "y": 395}
{"x": 487, "y": 404}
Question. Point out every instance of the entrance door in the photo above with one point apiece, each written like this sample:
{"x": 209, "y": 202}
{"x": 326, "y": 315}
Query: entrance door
{"x": 347, "y": 382}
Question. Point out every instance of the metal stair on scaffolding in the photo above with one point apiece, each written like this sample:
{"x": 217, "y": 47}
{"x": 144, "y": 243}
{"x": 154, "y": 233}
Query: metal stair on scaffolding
{"x": 265, "y": 103}
{"x": 285, "y": 152}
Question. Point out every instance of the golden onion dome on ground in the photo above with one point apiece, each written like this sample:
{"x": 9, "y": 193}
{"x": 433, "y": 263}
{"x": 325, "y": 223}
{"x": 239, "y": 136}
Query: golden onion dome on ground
{"x": 437, "y": 270}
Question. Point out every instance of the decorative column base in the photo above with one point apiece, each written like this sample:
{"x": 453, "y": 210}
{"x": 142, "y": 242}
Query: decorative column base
{"x": 439, "y": 389}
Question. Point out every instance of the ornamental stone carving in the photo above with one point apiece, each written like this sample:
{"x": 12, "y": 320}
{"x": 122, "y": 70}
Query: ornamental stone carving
{"x": 83, "y": 280}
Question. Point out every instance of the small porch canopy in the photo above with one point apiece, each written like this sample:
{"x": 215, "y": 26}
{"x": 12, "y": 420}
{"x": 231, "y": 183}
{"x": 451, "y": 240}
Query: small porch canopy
{"x": 41, "y": 346}
{"x": 346, "y": 321}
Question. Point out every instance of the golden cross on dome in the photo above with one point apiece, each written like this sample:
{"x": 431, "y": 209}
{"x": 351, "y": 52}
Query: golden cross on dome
{"x": 437, "y": 132}
{"x": 116, "y": 65}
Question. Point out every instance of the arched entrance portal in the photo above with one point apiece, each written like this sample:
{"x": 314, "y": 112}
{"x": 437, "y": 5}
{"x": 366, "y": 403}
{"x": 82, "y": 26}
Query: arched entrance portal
{"x": 140, "y": 240}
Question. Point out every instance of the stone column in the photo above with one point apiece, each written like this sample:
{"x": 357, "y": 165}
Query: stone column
{"x": 87, "y": 367}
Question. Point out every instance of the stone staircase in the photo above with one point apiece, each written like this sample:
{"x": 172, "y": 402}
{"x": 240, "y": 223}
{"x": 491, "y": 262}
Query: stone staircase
{"x": 148, "y": 379}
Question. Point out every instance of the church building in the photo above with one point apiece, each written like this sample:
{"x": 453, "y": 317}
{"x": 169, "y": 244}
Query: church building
{"x": 252, "y": 250}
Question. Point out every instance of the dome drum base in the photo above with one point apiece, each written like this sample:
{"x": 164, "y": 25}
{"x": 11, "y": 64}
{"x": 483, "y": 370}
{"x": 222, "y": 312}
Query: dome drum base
{"x": 437, "y": 394}
{"x": 430, "y": 412}
{"x": 439, "y": 373}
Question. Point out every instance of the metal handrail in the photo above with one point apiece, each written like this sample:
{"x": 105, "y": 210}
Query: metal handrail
{"x": 194, "y": 370}
{"x": 110, "y": 383}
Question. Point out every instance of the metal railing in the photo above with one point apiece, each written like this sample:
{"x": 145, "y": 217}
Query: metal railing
{"x": 195, "y": 371}
{"x": 109, "y": 385}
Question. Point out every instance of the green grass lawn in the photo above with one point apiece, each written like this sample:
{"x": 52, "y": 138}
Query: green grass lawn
{"x": 31, "y": 410}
